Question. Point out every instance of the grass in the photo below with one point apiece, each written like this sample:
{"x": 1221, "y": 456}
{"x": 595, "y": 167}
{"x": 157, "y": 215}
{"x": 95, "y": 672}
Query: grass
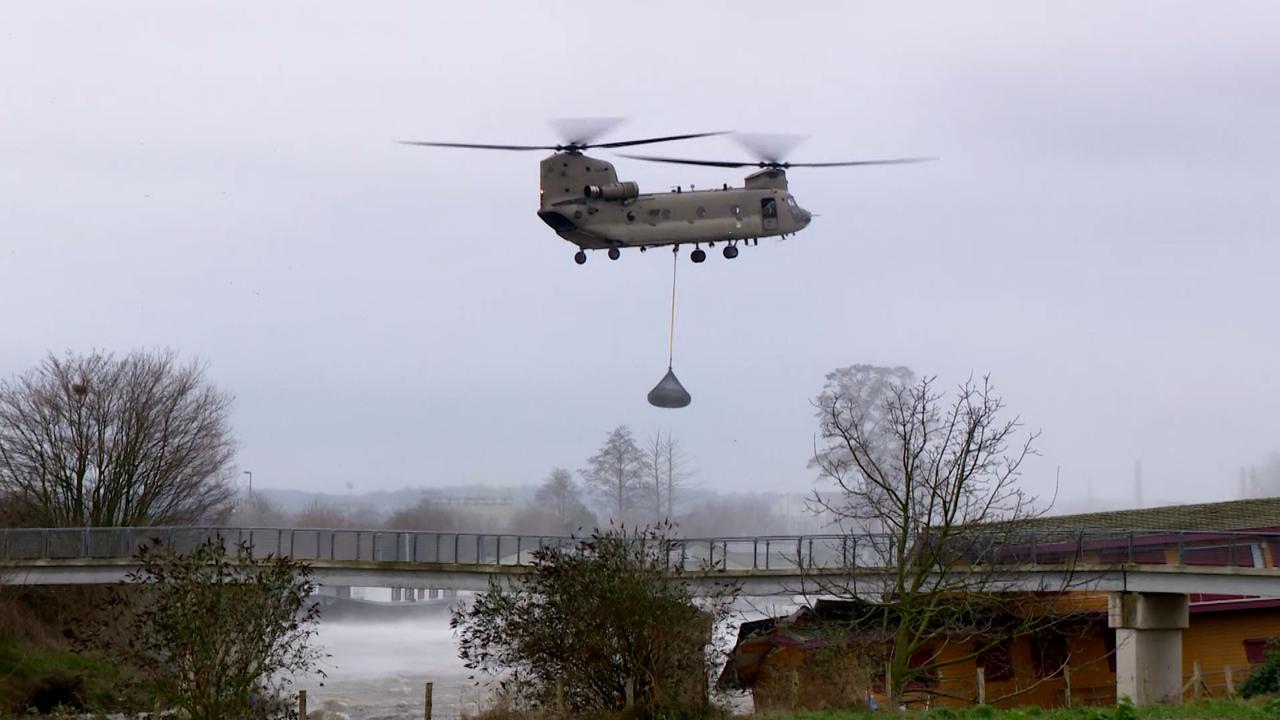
{"x": 1257, "y": 709}
{"x": 37, "y": 662}
{"x": 28, "y": 669}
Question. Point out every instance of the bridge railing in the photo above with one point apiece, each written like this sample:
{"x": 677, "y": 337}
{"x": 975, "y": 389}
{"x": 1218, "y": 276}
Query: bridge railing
{"x": 764, "y": 553}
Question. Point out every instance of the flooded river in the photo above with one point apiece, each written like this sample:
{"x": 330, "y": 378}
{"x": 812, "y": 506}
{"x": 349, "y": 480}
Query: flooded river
{"x": 377, "y": 670}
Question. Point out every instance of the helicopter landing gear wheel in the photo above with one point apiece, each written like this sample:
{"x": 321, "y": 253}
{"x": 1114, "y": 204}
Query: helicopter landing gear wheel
{"x": 730, "y": 252}
{"x": 614, "y": 253}
{"x": 698, "y": 255}
{"x": 580, "y": 257}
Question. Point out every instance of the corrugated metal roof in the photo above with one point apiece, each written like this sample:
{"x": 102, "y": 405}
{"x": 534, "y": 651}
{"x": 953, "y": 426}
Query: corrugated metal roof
{"x": 1231, "y": 515}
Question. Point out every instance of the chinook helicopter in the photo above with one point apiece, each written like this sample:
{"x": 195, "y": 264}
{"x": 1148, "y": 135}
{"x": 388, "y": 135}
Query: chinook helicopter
{"x": 582, "y": 199}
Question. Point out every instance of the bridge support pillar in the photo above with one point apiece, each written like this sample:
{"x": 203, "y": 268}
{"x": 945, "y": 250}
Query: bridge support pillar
{"x": 343, "y": 591}
{"x": 1148, "y": 645}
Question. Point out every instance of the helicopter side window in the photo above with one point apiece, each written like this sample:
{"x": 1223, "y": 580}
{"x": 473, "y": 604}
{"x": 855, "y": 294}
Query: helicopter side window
{"x": 769, "y": 207}
{"x": 631, "y": 216}
{"x": 701, "y": 212}
{"x": 735, "y": 210}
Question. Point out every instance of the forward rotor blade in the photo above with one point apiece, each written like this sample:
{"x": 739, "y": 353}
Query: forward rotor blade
{"x": 583, "y": 130}
{"x": 646, "y": 141}
{"x": 683, "y": 161}
{"x": 892, "y": 161}
{"x": 480, "y": 147}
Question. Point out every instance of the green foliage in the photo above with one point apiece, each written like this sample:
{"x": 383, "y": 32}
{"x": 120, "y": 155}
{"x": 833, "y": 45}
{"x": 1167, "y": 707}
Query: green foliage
{"x": 1264, "y": 678}
{"x": 607, "y": 611}
{"x": 212, "y": 632}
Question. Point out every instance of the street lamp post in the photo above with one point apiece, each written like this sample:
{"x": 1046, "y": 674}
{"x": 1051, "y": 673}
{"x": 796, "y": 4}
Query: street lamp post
{"x": 250, "y": 474}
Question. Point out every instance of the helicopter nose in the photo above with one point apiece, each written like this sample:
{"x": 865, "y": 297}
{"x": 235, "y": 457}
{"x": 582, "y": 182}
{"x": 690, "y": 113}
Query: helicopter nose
{"x": 805, "y": 217}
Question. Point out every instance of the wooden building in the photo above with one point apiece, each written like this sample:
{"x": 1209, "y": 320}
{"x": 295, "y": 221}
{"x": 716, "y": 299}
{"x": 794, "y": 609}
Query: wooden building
{"x": 807, "y": 661}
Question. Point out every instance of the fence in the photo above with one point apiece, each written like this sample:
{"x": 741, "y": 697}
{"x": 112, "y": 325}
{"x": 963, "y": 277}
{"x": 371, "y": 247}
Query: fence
{"x": 1092, "y": 547}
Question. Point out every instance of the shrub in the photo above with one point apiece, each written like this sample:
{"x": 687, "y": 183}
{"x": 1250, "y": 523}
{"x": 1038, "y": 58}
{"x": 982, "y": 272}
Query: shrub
{"x": 596, "y": 623}
{"x": 1264, "y": 679}
{"x": 213, "y": 632}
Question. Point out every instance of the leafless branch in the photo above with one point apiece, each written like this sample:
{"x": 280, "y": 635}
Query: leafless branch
{"x": 95, "y": 440}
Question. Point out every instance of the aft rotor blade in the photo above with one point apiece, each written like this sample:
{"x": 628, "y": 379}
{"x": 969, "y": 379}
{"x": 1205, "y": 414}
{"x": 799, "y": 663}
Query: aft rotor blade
{"x": 782, "y": 165}
{"x": 646, "y": 141}
{"x": 481, "y": 147}
{"x": 683, "y": 161}
{"x": 892, "y": 161}
{"x": 768, "y": 147}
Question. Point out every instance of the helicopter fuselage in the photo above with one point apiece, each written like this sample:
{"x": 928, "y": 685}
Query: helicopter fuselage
{"x": 583, "y": 201}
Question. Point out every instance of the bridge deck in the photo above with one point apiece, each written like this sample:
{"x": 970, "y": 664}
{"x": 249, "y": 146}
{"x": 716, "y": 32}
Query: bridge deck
{"x": 1101, "y": 560}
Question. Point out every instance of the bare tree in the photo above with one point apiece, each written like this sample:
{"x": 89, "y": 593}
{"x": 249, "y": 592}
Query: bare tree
{"x": 664, "y": 474}
{"x": 655, "y": 464}
{"x": 676, "y": 474}
{"x": 922, "y": 487}
{"x": 321, "y": 515}
{"x": 615, "y": 474}
{"x": 257, "y": 511}
{"x": 860, "y": 390}
{"x": 561, "y": 497}
{"x": 1261, "y": 481}
{"x": 96, "y": 440}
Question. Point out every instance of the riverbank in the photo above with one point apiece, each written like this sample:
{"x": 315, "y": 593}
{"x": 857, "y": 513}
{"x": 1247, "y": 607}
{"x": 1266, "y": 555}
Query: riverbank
{"x": 39, "y": 667}
{"x": 44, "y": 678}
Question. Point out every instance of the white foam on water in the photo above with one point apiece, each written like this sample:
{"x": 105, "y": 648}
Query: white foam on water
{"x": 377, "y": 670}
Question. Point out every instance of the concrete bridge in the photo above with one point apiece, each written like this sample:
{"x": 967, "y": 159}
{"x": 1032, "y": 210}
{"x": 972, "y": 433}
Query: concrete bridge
{"x": 1226, "y": 563}
{"x": 1149, "y": 574}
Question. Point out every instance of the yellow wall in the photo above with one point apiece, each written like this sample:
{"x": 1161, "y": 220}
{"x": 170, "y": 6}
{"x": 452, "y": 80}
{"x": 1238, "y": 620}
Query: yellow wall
{"x": 1091, "y": 680}
{"x": 790, "y": 679}
{"x": 1217, "y": 641}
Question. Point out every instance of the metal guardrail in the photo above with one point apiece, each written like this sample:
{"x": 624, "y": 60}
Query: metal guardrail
{"x": 793, "y": 552}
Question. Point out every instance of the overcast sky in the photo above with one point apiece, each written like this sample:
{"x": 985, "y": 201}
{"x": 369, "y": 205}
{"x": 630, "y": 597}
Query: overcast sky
{"x": 1100, "y": 234}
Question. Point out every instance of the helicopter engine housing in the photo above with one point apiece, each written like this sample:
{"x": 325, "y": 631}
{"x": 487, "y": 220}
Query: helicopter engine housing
{"x": 613, "y": 191}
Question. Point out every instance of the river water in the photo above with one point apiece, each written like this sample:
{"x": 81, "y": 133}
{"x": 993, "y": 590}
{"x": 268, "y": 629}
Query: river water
{"x": 377, "y": 670}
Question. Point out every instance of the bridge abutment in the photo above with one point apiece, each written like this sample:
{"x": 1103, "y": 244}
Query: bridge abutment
{"x": 1148, "y": 645}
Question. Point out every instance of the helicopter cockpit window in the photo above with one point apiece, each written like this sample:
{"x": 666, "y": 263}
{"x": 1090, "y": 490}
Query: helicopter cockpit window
{"x": 791, "y": 203}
